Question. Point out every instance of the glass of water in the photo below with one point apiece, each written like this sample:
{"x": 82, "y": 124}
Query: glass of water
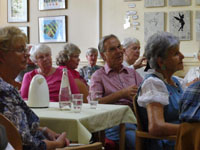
{"x": 77, "y": 100}
{"x": 94, "y": 97}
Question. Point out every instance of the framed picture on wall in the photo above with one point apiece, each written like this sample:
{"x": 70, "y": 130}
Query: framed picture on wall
{"x": 52, "y": 4}
{"x": 25, "y": 30}
{"x": 17, "y": 10}
{"x": 53, "y": 29}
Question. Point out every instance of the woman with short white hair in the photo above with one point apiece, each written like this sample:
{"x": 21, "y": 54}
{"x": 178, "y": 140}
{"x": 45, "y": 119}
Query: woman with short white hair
{"x": 41, "y": 56}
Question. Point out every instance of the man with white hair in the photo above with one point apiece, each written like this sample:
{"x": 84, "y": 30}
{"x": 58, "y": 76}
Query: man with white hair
{"x": 87, "y": 71}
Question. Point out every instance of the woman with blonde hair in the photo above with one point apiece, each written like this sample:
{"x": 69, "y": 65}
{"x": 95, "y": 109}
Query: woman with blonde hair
{"x": 13, "y": 57}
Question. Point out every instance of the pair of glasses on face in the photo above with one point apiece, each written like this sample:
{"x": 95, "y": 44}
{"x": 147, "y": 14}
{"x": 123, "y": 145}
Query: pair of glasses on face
{"x": 22, "y": 50}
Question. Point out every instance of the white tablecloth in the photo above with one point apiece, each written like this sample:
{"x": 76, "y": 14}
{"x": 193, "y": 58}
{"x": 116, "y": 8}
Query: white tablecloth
{"x": 79, "y": 126}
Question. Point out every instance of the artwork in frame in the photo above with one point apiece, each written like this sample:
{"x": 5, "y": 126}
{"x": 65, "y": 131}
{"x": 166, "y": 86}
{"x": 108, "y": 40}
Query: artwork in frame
{"x": 153, "y": 22}
{"x": 25, "y": 30}
{"x": 154, "y": 3}
{"x": 179, "y": 2}
{"x": 197, "y": 22}
{"x": 130, "y": 0}
{"x": 17, "y": 10}
{"x": 52, "y": 4}
{"x": 179, "y": 24}
{"x": 53, "y": 29}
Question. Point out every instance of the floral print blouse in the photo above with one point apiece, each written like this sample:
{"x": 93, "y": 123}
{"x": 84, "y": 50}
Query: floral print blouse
{"x": 15, "y": 109}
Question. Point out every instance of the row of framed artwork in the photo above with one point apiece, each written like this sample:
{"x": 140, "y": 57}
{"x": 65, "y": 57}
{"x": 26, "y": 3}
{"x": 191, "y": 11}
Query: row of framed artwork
{"x": 18, "y": 9}
{"x": 52, "y": 29}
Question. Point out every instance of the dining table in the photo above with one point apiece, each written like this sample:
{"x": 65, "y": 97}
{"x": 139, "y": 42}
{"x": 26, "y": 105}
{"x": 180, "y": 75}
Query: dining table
{"x": 80, "y": 126}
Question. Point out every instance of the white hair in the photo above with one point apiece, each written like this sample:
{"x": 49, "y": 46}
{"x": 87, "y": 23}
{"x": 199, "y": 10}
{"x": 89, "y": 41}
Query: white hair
{"x": 40, "y": 48}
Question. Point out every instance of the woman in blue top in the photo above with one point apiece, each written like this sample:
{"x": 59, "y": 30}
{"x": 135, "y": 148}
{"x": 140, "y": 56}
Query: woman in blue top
{"x": 159, "y": 94}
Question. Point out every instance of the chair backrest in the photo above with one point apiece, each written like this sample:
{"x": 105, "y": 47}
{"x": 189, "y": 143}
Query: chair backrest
{"x": 94, "y": 146}
{"x": 13, "y": 135}
{"x": 135, "y": 108}
{"x": 83, "y": 89}
{"x": 188, "y": 136}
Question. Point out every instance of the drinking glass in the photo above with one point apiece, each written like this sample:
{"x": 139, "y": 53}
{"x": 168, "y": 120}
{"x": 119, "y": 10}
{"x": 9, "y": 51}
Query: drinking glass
{"x": 94, "y": 97}
{"x": 77, "y": 100}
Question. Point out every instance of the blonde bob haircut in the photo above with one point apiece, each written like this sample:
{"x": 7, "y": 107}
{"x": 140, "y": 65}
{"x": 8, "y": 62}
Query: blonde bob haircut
{"x": 9, "y": 36}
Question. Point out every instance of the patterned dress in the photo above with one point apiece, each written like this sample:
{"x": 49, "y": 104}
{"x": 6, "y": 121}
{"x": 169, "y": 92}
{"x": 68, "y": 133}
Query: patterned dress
{"x": 15, "y": 109}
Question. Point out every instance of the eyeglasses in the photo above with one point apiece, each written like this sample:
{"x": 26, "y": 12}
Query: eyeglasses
{"x": 22, "y": 50}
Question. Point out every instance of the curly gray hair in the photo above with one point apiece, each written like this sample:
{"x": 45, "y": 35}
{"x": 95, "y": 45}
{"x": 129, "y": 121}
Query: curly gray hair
{"x": 158, "y": 45}
{"x": 64, "y": 55}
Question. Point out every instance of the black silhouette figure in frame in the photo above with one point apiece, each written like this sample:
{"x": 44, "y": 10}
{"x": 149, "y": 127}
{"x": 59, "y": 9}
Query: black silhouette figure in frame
{"x": 181, "y": 21}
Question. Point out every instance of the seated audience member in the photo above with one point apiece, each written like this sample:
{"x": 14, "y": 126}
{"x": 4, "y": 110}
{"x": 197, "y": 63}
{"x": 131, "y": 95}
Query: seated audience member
{"x": 193, "y": 74}
{"x": 29, "y": 67}
{"x": 13, "y": 59}
{"x": 131, "y": 47}
{"x": 160, "y": 92}
{"x": 41, "y": 55}
{"x": 117, "y": 84}
{"x": 87, "y": 71}
{"x": 69, "y": 58}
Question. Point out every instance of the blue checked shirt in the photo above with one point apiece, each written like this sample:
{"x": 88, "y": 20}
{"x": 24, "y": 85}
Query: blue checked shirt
{"x": 190, "y": 104}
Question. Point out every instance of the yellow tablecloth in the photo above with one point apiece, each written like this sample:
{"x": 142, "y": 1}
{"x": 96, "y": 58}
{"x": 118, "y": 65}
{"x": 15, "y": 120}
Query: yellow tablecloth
{"x": 79, "y": 126}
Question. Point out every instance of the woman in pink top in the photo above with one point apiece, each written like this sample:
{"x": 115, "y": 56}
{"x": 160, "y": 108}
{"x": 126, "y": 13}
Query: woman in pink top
{"x": 69, "y": 58}
{"x": 41, "y": 55}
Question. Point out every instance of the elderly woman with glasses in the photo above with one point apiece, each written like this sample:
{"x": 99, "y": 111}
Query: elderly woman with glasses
{"x": 69, "y": 58}
{"x": 41, "y": 56}
{"x": 13, "y": 58}
{"x": 160, "y": 93}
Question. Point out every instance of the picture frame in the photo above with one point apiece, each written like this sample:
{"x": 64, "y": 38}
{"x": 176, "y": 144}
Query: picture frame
{"x": 17, "y": 10}
{"x": 52, "y": 4}
{"x": 53, "y": 29}
{"x": 25, "y": 30}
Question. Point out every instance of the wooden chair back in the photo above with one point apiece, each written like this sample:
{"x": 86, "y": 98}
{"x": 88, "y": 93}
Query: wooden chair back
{"x": 13, "y": 135}
{"x": 83, "y": 89}
{"x": 140, "y": 134}
{"x": 94, "y": 146}
{"x": 188, "y": 136}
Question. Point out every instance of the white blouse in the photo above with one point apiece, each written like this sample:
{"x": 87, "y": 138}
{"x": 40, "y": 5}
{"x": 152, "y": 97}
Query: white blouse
{"x": 153, "y": 90}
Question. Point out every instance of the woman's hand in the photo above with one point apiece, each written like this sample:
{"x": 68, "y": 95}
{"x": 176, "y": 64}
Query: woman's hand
{"x": 63, "y": 140}
{"x": 193, "y": 81}
{"x": 49, "y": 134}
{"x": 140, "y": 63}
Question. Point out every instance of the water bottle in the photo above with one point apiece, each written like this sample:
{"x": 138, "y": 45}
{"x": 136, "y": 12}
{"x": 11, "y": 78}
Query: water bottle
{"x": 65, "y": 99}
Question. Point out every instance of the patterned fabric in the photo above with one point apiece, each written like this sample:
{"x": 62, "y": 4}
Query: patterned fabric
{"x": 107, "y": 82}
{"x": 171, "y": 114}
{"x": 15, "y": 109}
{"x": 190, "y": 104}
{"x": 87, "y": 71}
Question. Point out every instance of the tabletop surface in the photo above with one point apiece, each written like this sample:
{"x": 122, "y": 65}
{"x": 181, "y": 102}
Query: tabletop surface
{"x": 79, "y": 126}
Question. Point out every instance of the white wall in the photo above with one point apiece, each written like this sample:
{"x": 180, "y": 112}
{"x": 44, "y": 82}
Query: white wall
{"x": 83, "y": 24}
